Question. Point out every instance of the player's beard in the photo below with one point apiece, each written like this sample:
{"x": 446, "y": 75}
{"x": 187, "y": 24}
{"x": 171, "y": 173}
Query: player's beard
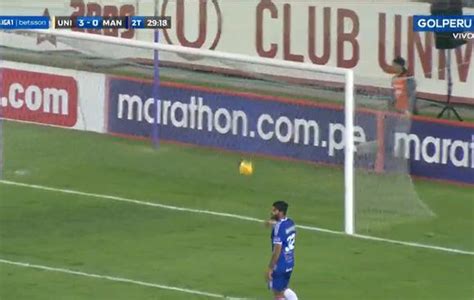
{"x": 274, "y": 217}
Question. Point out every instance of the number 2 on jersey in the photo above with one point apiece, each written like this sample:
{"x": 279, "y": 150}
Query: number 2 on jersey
{"x": 291, "y": 242}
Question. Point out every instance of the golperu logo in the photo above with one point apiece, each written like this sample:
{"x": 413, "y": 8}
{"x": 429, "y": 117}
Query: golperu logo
{"x": 38, "y": 97}
{"x": 443, "y": 23}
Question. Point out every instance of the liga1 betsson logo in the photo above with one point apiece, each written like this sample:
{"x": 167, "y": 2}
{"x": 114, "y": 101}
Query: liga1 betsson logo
{"x": 462, "y": 27}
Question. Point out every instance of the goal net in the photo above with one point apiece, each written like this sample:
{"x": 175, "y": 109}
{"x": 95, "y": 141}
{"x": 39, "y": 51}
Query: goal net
{"x": 179, "y": 98}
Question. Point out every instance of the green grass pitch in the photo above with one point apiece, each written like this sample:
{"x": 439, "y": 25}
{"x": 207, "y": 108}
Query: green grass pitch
{"x": 202, "y": 252}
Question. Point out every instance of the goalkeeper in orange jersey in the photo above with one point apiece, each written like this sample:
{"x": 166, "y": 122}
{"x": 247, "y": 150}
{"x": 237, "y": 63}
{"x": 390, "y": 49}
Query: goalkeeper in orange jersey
{"x": 403, "y": 88}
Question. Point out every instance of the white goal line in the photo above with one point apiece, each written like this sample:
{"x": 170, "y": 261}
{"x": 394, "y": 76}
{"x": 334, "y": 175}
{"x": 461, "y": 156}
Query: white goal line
{"x": 233, "y": 216}
{"x": 118, "y": 279}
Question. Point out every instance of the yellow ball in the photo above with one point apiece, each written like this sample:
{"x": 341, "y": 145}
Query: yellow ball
{"x": 246, "y": 168}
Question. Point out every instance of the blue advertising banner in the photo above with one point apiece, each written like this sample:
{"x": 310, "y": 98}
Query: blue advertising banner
{"x": 231, "y": 121}
{"x": 285, "y": 128}
{"x": 436, "y": 149}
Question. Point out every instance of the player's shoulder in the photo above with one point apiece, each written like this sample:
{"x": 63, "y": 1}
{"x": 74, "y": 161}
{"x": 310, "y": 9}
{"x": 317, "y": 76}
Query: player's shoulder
{"x": 288, "y": 225}
{"x": 289, "y": 222}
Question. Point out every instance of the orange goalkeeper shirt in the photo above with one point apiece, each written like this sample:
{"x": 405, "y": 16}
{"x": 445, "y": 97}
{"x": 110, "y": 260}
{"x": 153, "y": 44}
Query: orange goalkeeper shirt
{"x": 404, "y": 92}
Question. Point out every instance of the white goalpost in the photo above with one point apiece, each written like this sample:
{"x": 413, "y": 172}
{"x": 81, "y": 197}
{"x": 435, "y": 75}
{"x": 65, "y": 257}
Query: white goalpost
{"x": 349, "y": 154}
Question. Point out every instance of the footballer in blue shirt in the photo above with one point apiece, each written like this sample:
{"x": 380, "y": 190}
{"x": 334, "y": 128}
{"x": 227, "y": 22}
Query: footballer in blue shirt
{"x": 282, "y": 261}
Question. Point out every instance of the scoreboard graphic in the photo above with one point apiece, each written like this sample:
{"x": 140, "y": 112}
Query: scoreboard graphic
{"x": 86, "y": 22}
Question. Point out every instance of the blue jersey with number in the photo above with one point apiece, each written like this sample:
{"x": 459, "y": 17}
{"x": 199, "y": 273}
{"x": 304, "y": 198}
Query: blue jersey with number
{"x": 284, "y": 233}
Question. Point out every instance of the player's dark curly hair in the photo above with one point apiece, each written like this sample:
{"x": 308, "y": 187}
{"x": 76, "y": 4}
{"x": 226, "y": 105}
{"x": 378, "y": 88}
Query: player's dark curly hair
{"x": 281, "y": 206}
{"x": 401, "y": 62}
